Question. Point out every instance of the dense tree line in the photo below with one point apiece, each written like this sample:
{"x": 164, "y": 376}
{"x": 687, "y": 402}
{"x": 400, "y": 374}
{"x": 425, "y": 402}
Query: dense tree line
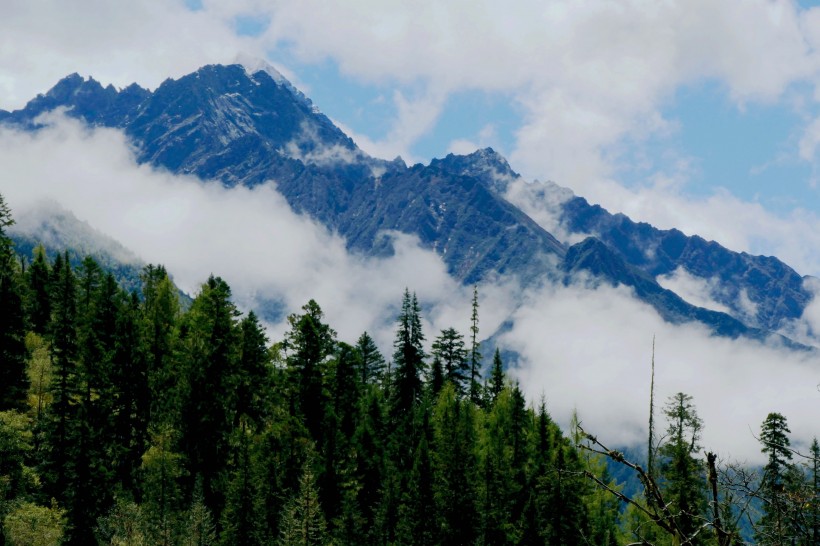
{"x": 128, "y": 419}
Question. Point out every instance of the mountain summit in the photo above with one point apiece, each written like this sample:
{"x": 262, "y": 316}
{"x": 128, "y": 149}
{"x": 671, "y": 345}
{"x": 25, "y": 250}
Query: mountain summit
{"x": 245, "y": 124}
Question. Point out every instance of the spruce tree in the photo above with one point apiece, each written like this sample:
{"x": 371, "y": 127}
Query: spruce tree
{"x": 39, "y": 303}
{"x": 13, "y": 379}
{"x": 303, "y": 522}
{"x": 130, "y": 393}
{"x": 160, "y": 315}
{"x": 212, "y": 346}
{"x": 417, "y": 515}
{"x": 773, "y": 527}
{"x": 684, "y": 482}
{"x": 408, "y": 358}
{"x": 449, "y": 349}
{"x": 496, "y": 376}
{"x": 369, "y": 440}
{"x": 371, "y": 361}
{"x": 309, "y": 342}
{"x": 254, "y": 385}
{"x": 57, "y": 457}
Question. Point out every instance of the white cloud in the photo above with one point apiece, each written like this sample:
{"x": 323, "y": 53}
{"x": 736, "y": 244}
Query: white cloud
{"x": 591, "y": 350}
{"x": 696, "y": 290}
{"x": 250, "y": 237}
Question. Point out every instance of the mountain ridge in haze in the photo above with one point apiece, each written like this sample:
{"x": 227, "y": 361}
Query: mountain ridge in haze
{"x": 245, "y": 127}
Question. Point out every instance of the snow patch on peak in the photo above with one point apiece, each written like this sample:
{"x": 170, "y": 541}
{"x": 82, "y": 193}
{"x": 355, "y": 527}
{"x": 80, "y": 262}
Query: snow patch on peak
{"x": 252, "y": 65}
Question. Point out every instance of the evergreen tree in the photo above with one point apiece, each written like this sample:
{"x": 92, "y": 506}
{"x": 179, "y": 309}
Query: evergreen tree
{"x": 499, "y": 491}
{"x": 369, "y": 440}
{"x": 814, "y": 494}
{"x": 160, "y": 312}
{"x": 57, "y": 457}
{"x": 309, "y": 343}
{"x": 339, "y": 428}
{"x": 241, "y": 521}
{"x": 475, "y": 352}
{"x": 371, "y": 361}
{"x": 161, "y": 471}
{"x": 497, "y": 375}
{"x": 773, "y": 527}
{"x": 417, "y": 512}
{"x": 212, "y": 345}
{"x": 408, "y": 358}
{"x": 199, "y": 529}
{"x": 684, "y": 482}
{"x": 93, "y": 428}
{"x": 13, "y": 379}
{"x": 562, "y": 509}
{"x": 130, "y": 394}
{"x": 304, "y": 522}
{"x": 449, "y": 349}
{"x": 39, "y": 303}
{"x": 436, "y": 376}
{"x": 254, "y": 380}
{"x": 455, "y": 468}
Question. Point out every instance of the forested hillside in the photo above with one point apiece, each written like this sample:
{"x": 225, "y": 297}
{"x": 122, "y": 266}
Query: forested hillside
{"x": 127, "y": 420}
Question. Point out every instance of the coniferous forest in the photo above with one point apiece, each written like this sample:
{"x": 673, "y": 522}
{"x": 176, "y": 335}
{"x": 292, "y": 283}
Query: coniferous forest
{"x": 128, "y": 418}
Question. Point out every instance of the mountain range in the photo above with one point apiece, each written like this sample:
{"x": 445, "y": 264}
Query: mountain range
{"x": 244, "y": 126}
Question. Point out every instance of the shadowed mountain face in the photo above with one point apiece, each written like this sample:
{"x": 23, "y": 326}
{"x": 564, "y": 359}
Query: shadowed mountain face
{"x": 774, "y": 290}
{"x": 225, "y": 123}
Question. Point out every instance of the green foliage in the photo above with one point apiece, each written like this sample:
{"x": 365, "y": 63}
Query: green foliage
{"x": 153, "y": 424}
{"x": 683, "y": 476}
{"x": 28, "y": 524}
{"x": 303, "y": 522}
{"x": 497, "y": 377}
{"x": 779, "y": 482}
{"x": 370, "y": 360}
{"x": 309, "y": 342}
{"x": 408, "y": 359}
{"x": 449, "y": 349}
{"x": 15, "y": 447}
{"x": 13, "y": 378}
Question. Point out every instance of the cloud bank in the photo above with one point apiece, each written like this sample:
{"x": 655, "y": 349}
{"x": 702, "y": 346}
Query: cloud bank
{"x": 250, "y": 237}
{"x": 585, "y": 349}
